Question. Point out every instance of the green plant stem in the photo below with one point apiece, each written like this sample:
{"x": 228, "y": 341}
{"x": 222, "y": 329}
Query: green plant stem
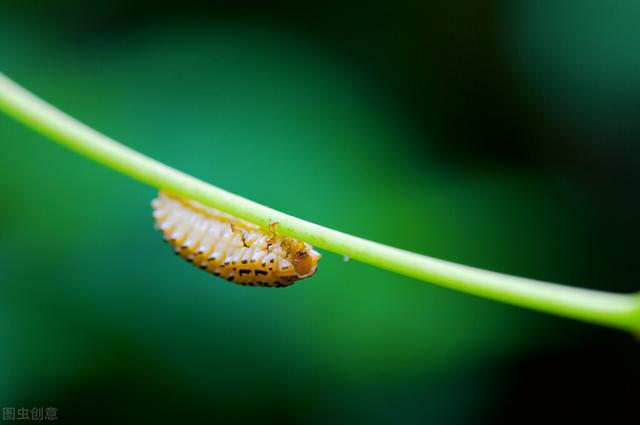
{"x": 615, "y": 310}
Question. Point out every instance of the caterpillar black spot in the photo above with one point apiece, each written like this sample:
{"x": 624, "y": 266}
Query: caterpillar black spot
{"x": 230, "y": 248}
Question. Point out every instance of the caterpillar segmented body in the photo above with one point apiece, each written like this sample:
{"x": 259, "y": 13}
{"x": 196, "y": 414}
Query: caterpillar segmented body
{"x": 231, "y": 248}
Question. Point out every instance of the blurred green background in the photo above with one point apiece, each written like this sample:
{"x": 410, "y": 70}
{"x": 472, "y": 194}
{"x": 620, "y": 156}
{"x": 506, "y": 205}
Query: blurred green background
{"x": 500, "y": 134}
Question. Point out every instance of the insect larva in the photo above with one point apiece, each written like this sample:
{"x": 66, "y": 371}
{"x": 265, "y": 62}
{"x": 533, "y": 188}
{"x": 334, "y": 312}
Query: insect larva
{"x": 231, "y": 248}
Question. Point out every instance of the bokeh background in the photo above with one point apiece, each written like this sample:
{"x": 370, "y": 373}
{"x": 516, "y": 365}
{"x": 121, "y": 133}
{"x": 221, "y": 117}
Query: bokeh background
{"x": 500, "y": 134}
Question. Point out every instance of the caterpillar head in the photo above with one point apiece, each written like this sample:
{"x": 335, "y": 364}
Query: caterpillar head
{"x": 305, "y": 260}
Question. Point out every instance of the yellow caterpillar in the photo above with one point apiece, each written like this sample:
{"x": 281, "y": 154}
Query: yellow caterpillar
{"x": 231, "y": 248}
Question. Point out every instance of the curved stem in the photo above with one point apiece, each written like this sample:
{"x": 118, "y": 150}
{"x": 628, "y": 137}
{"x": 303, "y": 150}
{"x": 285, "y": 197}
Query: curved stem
{"x": 614, "y": 310}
